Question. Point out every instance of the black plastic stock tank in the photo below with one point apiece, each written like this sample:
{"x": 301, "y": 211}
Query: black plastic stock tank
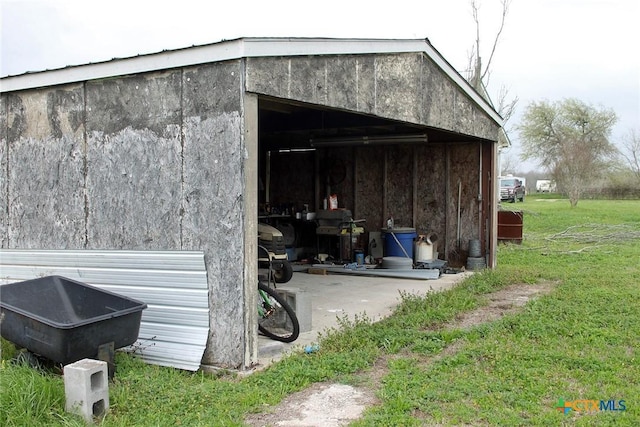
{"x": 65, "y": 320}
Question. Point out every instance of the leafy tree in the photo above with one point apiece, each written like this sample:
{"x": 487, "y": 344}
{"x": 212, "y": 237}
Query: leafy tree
{"x": 570, "y": 139}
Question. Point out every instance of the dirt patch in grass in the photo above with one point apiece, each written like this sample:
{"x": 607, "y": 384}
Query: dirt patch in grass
{"x": 325, "y": 404}
{"x": 321, "y": 404}
{"x": 505, "y": 301}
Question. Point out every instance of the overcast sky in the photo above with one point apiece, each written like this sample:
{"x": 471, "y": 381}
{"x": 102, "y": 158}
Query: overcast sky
{"x": 549, "y": 49}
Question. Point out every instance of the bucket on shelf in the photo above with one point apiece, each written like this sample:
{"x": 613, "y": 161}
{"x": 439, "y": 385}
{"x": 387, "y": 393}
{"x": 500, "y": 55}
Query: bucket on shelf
{"x": 402, "y": 244}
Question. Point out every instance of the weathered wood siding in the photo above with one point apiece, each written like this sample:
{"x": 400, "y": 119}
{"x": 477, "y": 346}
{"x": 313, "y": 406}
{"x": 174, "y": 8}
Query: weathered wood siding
{"x": 407, "y": 87}
{"x": 157, "y": 161}
{"x": 145, "y": 162}
{"x": 417, "y": 185}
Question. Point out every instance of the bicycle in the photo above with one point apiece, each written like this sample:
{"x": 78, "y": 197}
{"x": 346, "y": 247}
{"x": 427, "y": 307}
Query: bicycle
{"x": 276, "y": 318}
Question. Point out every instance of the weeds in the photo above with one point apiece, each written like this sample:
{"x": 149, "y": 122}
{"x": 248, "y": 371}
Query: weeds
{"x": 29, "y": 396}
{"x": 581, "y": 341}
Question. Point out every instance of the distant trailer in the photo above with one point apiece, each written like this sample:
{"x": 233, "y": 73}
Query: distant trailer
{"x": 545, "y": 186}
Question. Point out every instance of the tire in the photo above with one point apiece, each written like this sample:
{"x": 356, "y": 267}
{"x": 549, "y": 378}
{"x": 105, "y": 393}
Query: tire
{"x": 276, "y": 318}
{"x": 522, "y": 198}
{"x": 284, "y": 274}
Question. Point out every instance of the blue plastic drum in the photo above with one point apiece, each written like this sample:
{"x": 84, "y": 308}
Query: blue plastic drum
{"x": 404, "y": 237}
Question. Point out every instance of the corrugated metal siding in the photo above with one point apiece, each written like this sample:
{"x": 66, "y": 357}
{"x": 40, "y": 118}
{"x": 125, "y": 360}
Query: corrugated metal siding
{"x": 175, "y": 325}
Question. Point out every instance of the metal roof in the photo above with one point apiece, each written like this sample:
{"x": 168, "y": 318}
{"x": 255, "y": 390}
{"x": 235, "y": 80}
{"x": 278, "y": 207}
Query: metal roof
{"x": 236, "y": 49}
{"x": 174, "y": 327}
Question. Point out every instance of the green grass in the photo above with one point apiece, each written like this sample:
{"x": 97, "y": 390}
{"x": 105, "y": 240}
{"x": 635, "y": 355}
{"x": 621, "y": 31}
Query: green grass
{"x": 581, "y": 341}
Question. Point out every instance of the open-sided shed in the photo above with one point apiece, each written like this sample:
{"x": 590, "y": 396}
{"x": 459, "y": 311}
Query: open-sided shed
{"x": 168, "y": 151}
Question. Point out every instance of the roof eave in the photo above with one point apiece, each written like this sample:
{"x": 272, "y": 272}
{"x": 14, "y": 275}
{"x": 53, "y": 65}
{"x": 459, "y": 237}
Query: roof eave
{"x": 236, "y": 49}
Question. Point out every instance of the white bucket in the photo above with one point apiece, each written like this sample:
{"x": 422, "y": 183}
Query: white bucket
{"x": 423, "y": 251}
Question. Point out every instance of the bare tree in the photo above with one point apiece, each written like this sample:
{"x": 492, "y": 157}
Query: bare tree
{"x": 506, "y": 109}
{"x": 571, "y": 140}
{"x": 508, "y": 164}
{"x": 478, "y": 74}
{"x": 506, "y": 106}
{"x": 631, "y": 152}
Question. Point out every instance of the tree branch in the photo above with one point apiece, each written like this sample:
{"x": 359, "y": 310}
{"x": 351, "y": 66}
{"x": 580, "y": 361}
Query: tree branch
{"x": 505, "y": 10}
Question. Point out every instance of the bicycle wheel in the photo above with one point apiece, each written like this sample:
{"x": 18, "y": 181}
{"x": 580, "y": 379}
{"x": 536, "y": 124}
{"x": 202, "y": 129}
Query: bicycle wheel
{"x": 276, "y": 318}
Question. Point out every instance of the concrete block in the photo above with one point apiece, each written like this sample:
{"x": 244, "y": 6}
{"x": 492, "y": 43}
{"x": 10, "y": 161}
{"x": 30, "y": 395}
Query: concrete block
{"x": 300, "y": 301}
{"x": 86, "y": 387}
{"x": 269, "y": 348}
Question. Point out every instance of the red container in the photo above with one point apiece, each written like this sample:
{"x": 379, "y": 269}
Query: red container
{"x": 510, "y": 225}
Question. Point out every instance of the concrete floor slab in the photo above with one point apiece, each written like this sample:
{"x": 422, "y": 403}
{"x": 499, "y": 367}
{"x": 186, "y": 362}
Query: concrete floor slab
{"x": 334, "y": 296}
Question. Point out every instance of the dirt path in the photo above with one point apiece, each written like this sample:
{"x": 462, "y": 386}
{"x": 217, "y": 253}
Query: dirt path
{"x": 330, "y": 404}
{"x": 501, "y": 303}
